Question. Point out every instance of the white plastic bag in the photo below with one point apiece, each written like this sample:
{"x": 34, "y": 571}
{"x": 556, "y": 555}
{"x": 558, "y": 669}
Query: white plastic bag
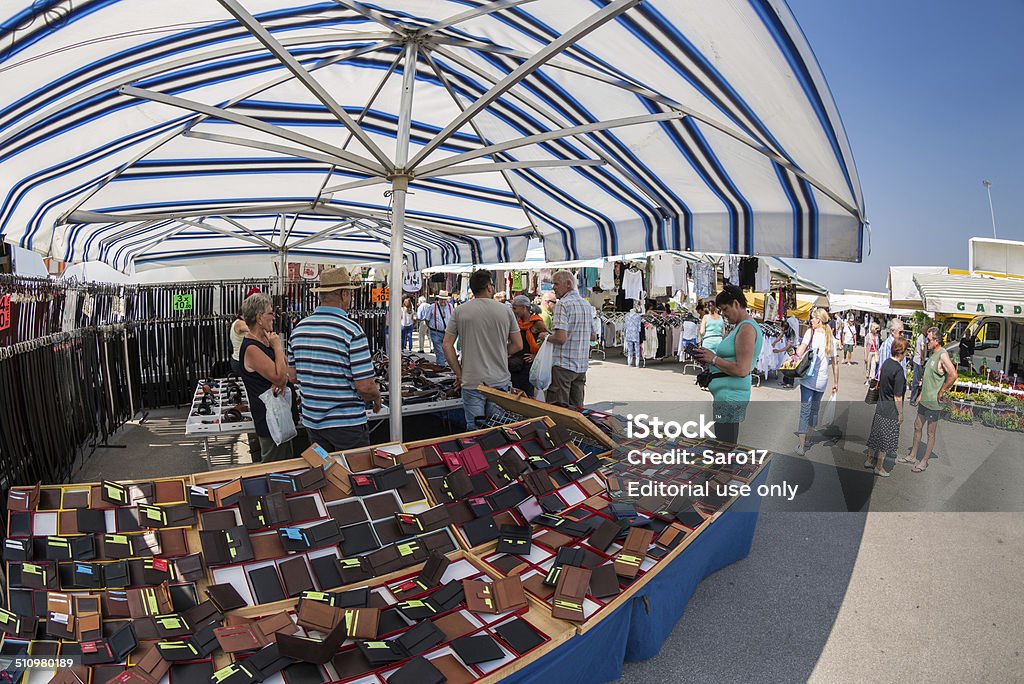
{"x": 279, "y": 415}
{"x": 828, "y": 416}
{"x": 540, "y": 371}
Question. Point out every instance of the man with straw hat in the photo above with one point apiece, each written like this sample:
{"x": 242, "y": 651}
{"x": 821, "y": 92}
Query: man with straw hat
{"x": 437, "y": 318}
{"x": 330, "y": 357}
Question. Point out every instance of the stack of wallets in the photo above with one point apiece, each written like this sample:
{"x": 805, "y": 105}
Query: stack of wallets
{"x": 366, "y": 484}
{"x": 333, "y": 471}
{"x": 499, "y": 596}
{"x": 471, "y": 458}
{"x": 252, "y": 635}
{"x": 634, "y": 550}
{"x": 224, "y": 547}
{"x": 566, "y": 555}
{"x": 268, "y": 510}
{"x": 308, "y": 480}
{"x": 324, "y": 533}
{"x": 428, "y": 578}
{"x": 418, "y": 523}
{"x": 571, "y": 591}
{"x": 515, "y": 539}
{"x": 311, "y": 650}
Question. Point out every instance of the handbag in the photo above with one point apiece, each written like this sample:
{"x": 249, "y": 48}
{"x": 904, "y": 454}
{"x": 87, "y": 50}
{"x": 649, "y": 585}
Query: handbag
{"x": 872, "y": 395}
{"x": 798, "y": 366}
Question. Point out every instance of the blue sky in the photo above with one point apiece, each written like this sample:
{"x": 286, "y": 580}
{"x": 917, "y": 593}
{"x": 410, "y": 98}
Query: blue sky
{"x": 932, "y": 99}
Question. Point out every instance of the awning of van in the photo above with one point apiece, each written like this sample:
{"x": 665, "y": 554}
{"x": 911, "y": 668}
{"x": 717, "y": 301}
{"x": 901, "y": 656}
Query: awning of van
{"x": 964, "y": 294}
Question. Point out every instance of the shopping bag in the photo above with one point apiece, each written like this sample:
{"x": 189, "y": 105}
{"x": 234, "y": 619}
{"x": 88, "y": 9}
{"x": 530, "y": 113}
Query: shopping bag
{"x": 828, "y": 416}
{"x": 279, "y": 415}
{"x": 540, "y": 372}
{"x": 798, "y": 366}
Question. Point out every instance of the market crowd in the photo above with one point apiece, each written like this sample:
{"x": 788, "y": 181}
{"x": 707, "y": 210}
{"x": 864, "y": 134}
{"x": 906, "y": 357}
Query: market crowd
{"x": 485, "y": 341}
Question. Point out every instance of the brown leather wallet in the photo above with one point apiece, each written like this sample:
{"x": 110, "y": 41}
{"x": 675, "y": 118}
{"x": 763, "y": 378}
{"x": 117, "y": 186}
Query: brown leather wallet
{"x": 359, "y": 461}
{"x": 228, "y": 493}
{"x": 320, "y": 616}
{"x": 336, "y": 473}
{"x": 671, "y": 536}
{"x": 362, "y": 623}
{"x": 592, "y": 486}
{"x": 149, "y": 601}
{"x": 634, "y": 550}
{"x": 266, "y": 546}
{"x": 567, "y": 601}
{"x": 23, "y": 498}
{"x": 538, "y": 482}
{"x": 151, "y": 666}
{"x": 495, "y": 597}
{"x": 250, "y": 635}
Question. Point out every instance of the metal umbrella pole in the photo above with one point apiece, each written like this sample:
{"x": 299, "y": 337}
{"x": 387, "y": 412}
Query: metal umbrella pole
{"x": 400, "y": 187}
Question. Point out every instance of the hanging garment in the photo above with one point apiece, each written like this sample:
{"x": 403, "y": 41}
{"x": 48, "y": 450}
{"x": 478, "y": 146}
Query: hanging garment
{"x": 633, "y": 284}
{"x": 661, "y": 271}
{"x": 633, "y": 323}
{"x": 703, "y": 279}
{"x": 679, "y": 282}
{"x": 763, "y": 276}
{"x": 589, "y": 277}
{"x": 607, "y": 280}
{"x": 731, "y": 269}
{"x": 517, "y": 281}
{"x": 771, "y": 308}
{"x": 650, "y": 343}
{"x": 748, "y": 272}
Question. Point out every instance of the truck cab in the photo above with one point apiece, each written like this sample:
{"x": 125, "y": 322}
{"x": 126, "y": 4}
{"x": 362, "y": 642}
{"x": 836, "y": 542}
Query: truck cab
{"x": 999, "y": 344}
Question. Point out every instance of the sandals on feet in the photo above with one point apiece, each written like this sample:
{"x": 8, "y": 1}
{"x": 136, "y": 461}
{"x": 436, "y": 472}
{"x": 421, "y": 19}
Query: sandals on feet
{"x": 919, "y": 468}
{"x": 883, "y": 473}
{"x": 906, "y": 459}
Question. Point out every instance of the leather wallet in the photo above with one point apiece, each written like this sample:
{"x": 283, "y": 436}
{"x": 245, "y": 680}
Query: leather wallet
{"x": 429, "y": 577}
{"x": 420, "y": 638}
{"x": 382, "y": 505}
{"x": 418, "y": 670}
{"x": 266, "y": 546}
{"x": 355, "y": 570}
{"x": 347, "y": 512}
{"x": 177, "y": 651}
{"x": 499, "y": 596}
{"x": 551, "y": 503}
{"x": 203, "y": 614}
{"x": 414, "y": 610}
{"x": 218, "y": 520}
{"x": 250, "y": 635}
{"x": 188, "y": 568}
{"x": 295, "y": 575}
{"x": 380, "y": 653}
{"x": 604, "y": 582}
{"x": 151, "y": 666}
{"x": 308, "y": 480}
{"x": 23, "y": 498}
{"x": 481, "y": 530}
{"x": 509, "y": 497}
{"x": 518, "y": 634}
{"x": 223, "y": 547}
{"x": 538, "y": 483}
{"x": 493, "y": 439}
{"x": 380, "y": 481}
{"x": 39, "y": 576}
{"x": 477, "y": 649}
{"x": 228, "y": 493}
{"x": 604, "y": 535}
{"x": 149, "y": 601}
{"x": 512, "y": 462}
{"x": 266, "y": 585}
{"x": 155, "y": 570}
{"x": 566, "y": 555}
{"x": 180, "y": 515}
{"x": 326, "y": 572}
{"x": 89, "y": 521}
{"x": 200, "y": 497}
{"x": 319, "y": 616}
{"x": 112, "y": 650}
{"x": 335, "y": 473}
{"x": 671, "y": 536}
{"x": 268, "y": 510}
{"x": 456, "y": 485}
{"x": 311, "y": 650}
{"x": 429, "y": 520}
{"x": 114, "y": 493}
{"x": 362, "y": 623}
{"x": 397, "y": 556}
{"x": 571, "y": 591}
{"x": 325, "y": 533}
{"x": 236, "y": 673}
{"x": 225, "y": 597}
{"x": 86, "y": 575}
{"x": 17, "y": 626}
{"x": 622, "y": 511}
{"x": 18, "y": 550}
{"x": 268, "y": 661}
{"x": 455, "y": 625}
{"x": 471, "y": 458}
{"x": 448, "y": 596}
{"x": 515, "y": 539}
{"x": 634, "y": 550}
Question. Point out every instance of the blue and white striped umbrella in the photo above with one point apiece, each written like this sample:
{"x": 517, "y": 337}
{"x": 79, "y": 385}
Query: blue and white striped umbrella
{"x": 142, "y": 132}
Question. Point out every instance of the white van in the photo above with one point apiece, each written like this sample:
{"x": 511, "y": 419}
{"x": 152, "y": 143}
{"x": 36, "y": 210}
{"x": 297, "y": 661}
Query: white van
{"x": 999, "y": 344}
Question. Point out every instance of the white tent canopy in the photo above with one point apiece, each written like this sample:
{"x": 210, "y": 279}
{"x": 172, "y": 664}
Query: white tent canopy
{"x": 972, "y": 295}
{"x": 903, "y": 292}
{"x": 863, "y": 300}
{"x": 433, "y": 131}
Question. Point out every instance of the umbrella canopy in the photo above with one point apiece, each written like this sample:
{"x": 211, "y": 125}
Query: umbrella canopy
{"x": 655, "y": 125}
{"x": 602, "y": 127}
{"x": 971, "y": 295}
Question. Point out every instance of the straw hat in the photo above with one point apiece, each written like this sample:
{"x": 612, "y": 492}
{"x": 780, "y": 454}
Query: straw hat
{"x": 335, "y": 279}
{"x": 443, "y": 294}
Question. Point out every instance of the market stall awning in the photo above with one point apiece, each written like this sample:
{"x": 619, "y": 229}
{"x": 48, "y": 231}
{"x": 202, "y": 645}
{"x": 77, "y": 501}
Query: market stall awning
{"x": 862, "y": 300}
{"x": 604, "y": 128}
{"x": 972, "y": 295}
{"x": 903, "y": 292}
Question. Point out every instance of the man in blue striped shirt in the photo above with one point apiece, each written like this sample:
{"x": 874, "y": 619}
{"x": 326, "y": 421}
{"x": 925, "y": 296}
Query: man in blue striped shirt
{"x": 330, "y": 358}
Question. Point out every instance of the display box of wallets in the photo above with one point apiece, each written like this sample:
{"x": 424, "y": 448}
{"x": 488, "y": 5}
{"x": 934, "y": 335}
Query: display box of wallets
{"x": 220, "y": 405}
{"x": 448, "y": 616}
{"x": 458, "y": 559}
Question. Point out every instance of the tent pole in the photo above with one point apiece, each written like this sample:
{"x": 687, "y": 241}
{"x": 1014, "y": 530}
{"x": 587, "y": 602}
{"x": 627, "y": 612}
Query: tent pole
{"x": 280, "y": 277}
{"x": 400, "y": 187}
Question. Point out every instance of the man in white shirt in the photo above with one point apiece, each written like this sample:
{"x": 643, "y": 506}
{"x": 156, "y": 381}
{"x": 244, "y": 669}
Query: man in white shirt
{"x": 849, "y": 336}
{"x": 423, "y": 329}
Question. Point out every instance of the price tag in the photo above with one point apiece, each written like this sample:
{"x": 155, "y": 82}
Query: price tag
{"x": 181, "y": 302}
{"x": 379, "y": 295}
{"x": 5, "y": 312}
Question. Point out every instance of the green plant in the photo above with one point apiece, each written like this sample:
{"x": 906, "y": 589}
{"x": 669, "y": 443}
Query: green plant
{"x": 959, "y": 413}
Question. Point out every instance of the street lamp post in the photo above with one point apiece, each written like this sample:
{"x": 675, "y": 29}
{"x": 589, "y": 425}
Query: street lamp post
{"x": 991, "y": 211}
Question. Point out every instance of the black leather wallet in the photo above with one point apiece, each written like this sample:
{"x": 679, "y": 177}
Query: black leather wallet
{"x": 364, "y": 484}
{"x": 477, "y": 649}
{"x": 447, "y": 597}
{"x": 326, "y": 572}
{"x": 90, "y": 521}
{"x": 379, "y": 653}
{"x": 358, "y": 539}
{"x": 419, "y": 670}
{"x": 518, "y": 634}
{"x": 266, "y": 584}
{"x": 515, "y": 539}
{"x": 456, "y": 485}
{"x": 508, "y": 497}
{"x": 481, "y": 530}
{"x": 223, "y": 547}
{"x": 421, "y": 637}
{"x": 604, "y": 583}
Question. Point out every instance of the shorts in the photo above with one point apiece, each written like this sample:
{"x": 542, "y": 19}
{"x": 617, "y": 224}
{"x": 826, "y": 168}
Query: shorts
{"x": 929, "y": 415}
{"x": 848, "y": 348}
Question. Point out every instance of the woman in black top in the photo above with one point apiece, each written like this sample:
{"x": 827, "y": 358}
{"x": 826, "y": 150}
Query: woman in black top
{"x": 885, "y": 428}
{"x": 264, "y": 366}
